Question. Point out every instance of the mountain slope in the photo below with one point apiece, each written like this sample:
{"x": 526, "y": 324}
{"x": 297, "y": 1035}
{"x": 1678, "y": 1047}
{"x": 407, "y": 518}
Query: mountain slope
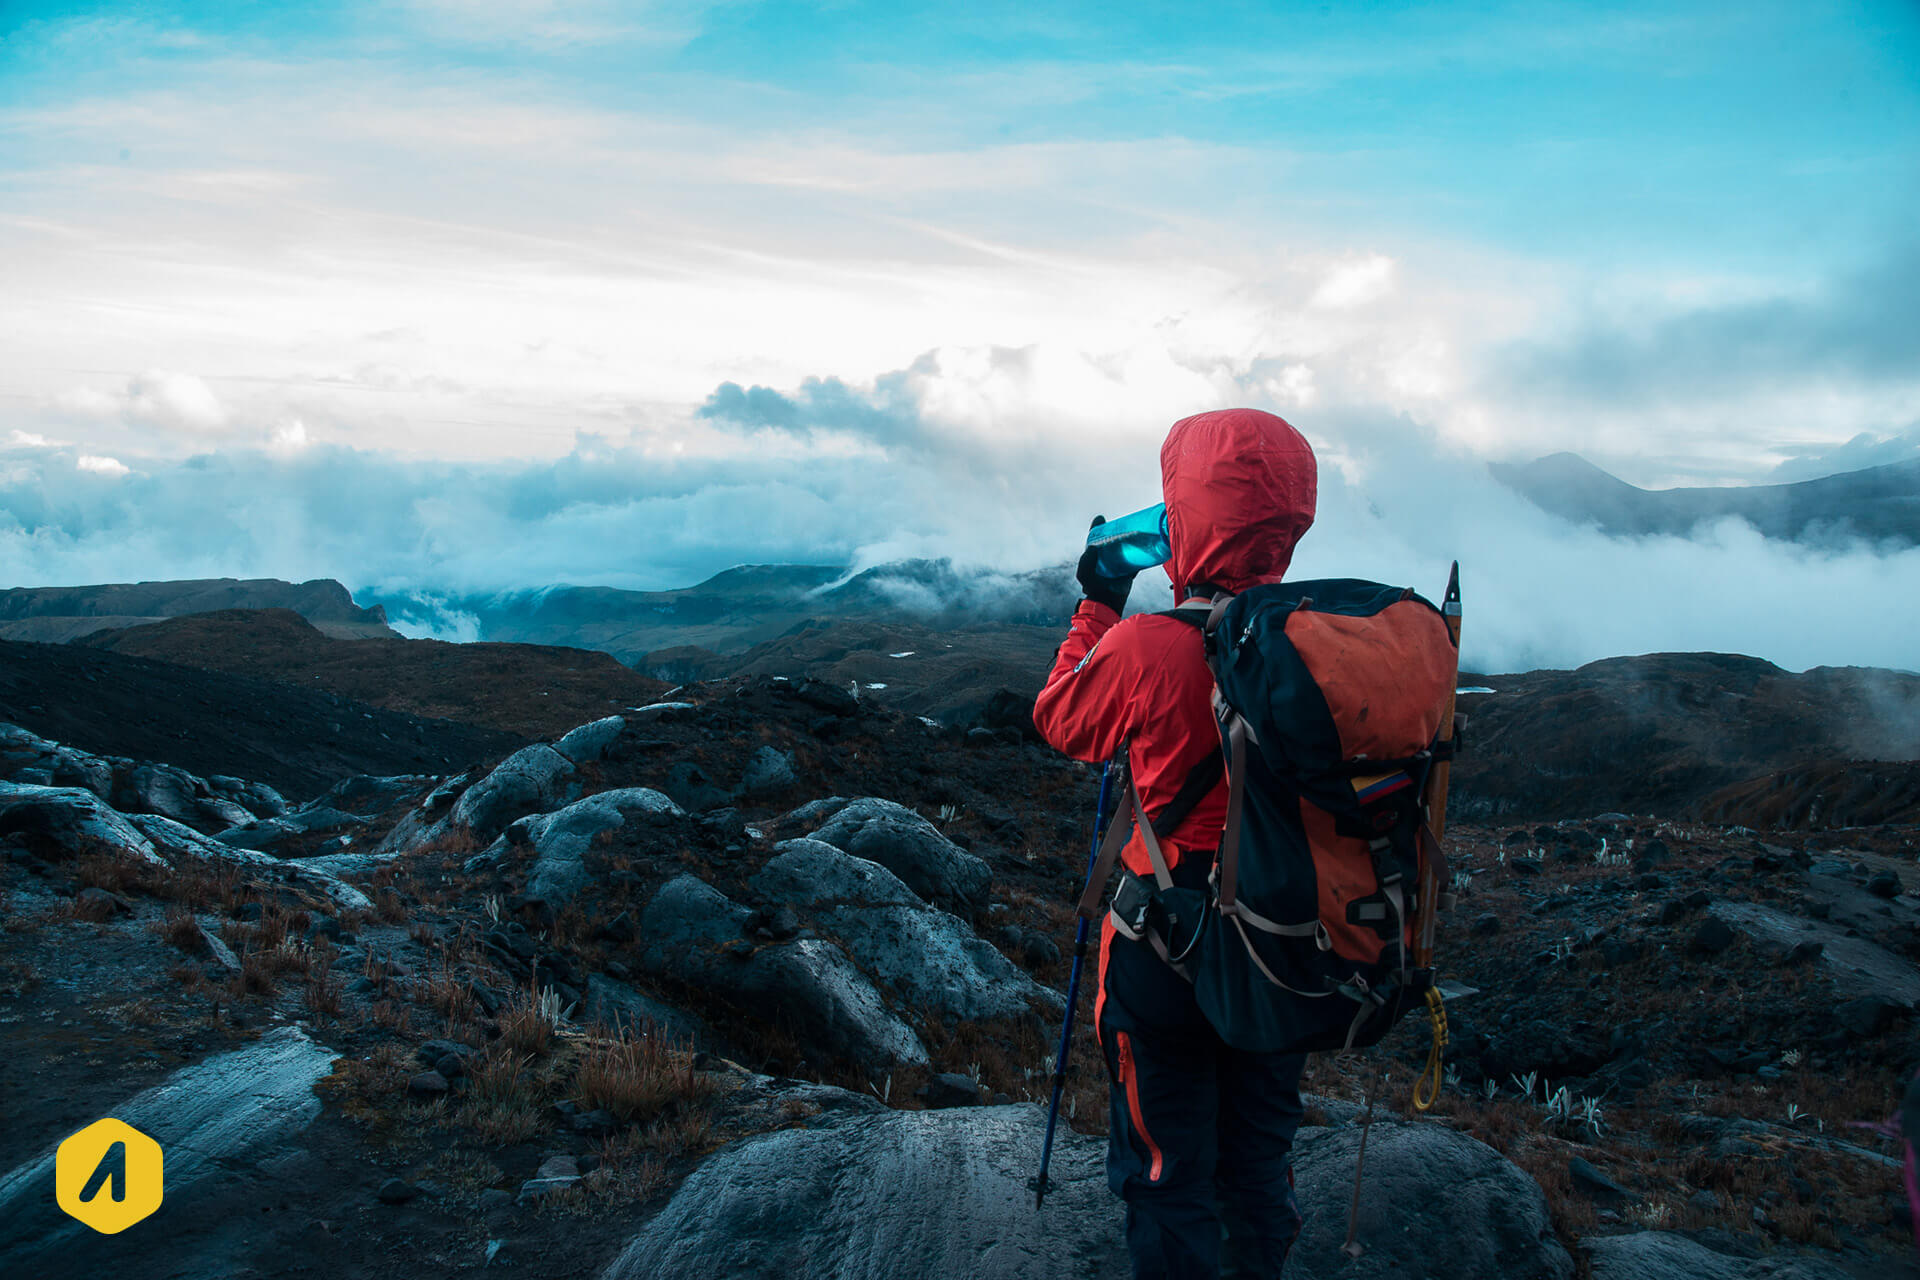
{"x": 528, "y": 690}
{"x": 1878, "y": 503}
{"x": 749, "y": 605}
{"x": 53, "y": 615}
{"x": 301, "y": 741}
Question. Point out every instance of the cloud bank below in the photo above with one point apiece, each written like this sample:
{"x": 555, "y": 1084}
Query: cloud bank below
{"x": 911, "y": 465}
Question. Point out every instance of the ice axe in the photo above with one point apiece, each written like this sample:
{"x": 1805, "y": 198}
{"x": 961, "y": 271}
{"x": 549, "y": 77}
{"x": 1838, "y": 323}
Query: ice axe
{"x": 1039, "y": 1184}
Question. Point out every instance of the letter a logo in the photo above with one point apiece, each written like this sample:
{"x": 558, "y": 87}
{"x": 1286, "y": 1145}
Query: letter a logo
{"x": 109, "y": 1176}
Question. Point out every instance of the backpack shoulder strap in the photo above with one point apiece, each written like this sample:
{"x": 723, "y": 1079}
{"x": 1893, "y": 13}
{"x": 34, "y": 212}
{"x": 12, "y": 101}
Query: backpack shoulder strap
{"x": 1203, "y": 778}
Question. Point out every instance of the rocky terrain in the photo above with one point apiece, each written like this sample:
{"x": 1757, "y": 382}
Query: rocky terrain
{"x": 760, "y": 978}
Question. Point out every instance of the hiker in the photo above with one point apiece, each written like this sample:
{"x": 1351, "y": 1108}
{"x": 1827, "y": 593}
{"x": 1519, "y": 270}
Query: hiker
{"x": 1200, "y": 1133}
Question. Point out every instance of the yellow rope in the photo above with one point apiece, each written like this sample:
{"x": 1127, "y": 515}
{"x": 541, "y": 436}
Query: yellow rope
{"x": 1426, "y": 1090}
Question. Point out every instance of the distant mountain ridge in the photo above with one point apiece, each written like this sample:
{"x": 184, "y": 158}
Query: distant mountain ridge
{"x": 1881, "y": 504}
{"x": 749, "y": 605}
{"x": 55, "y": 615}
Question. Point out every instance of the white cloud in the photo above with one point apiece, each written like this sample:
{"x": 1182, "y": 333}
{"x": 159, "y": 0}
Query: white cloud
{"x": 177, "y": 402}
{"x": 1355, "y": 284}
{"x": 288, "y": 437}
{"x": 28, "y": 439}
{"x": 101, "y": 466}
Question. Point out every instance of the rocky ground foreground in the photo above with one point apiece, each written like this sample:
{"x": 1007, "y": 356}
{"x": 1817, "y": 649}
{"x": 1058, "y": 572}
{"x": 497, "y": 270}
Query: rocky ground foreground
{"x": 761, "y": 979}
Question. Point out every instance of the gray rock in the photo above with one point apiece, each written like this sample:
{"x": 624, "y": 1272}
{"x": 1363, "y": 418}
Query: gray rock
{"x": 257, "y": 798}
{"x": 396, "y": 1191}
{"x": 658, "y": 711}
{"x": 268, "y": 834}
{"x": 909, "y": 1193}
{"x": 27, "y": 757}
{"x": 769, "y": 772}
{"x": 692, "y": 789}
{"x": 158, "y": 788}
{"x": 930, "y": 957}
{"x": 950, "y": 1089}
{"x": 1713, "y": 936}
{"x": 1855, "y": 964}
{"x": 1665, "y": 1255}
{"x": 560, "y": 840}
{"x": 1869, "y": 1015}
{"x": 814, "y": 812}
{"x": 905, "y": 843}
{"x": 533, "y": 779}
{"x": 181, "y": 841}
{"x": 69, "y": 821}
{"x": 621, "y": 1007}
{"x": 1594, "y": 1184}
{"x": 231, "y": 1111}
{"x": 693, "y": 933}
{"x": 1430, "y": 1193}
{"x": 809, "y": 874}
{"x": 427, "y": 1085}
{"x": 591, "y": 742}
{"x": 217, "y": 949}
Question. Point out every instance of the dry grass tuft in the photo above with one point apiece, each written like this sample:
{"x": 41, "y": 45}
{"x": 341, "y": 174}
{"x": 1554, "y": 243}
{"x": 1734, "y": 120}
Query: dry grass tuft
{"x": 505, "y": 1100}
{"x": 388, "y": 906}
{"x": 179, "y": 927}
{"x": 526, "y": 1023}
{"x": 637, "y": 1077}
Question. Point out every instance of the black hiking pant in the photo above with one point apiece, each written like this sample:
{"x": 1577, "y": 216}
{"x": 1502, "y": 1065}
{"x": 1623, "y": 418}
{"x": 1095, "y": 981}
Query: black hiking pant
{"x": 1200, "y": 1134}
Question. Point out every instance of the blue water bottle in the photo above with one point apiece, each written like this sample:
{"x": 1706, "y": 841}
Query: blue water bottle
{"x": 1131, "y": 543}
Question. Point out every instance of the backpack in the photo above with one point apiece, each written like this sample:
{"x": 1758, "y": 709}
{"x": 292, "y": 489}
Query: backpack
{"x": 1314, "y": 930}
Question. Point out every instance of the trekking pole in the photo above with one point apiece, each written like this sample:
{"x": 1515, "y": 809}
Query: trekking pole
{"x": 1073, "y": 993}
{"x": 1353, "y": 1248}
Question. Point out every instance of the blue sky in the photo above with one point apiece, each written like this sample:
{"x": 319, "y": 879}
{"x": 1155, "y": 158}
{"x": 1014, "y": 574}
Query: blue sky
{"x": 974, "y": 258}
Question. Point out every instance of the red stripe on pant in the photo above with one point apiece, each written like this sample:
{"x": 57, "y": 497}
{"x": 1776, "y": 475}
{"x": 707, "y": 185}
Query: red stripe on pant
{"x": 1131, "y": 1079}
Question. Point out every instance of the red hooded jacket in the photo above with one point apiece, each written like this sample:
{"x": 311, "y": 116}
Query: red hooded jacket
{"x": 1240, "y": 487}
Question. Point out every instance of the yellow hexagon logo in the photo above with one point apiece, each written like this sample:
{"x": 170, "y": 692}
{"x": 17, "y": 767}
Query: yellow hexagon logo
{"x": 109, "y": 1176}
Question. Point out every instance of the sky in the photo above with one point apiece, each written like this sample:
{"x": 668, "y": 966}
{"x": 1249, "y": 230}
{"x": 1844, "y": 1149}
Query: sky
{"x": 460, "y": 295}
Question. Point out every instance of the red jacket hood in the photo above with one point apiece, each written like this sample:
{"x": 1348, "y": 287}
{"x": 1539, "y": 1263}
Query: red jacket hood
{"x": 1240, "y": 487}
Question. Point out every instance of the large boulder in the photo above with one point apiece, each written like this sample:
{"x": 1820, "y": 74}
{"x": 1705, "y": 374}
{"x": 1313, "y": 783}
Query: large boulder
{"x": 617, "y": 1005}
{"x": 533, "y": 779}
{"x": 66, "y": 822}
{"x": 928, "y": 956}
{"x": 560, "y": 840}
{"x": 159, "y": 788}
{"x": 1434, "y": 1203}
{"x": 905, "y": 843}
{"x": 695, "y": 934}
{"x": 908, "y": 1193}
{"x": 256, "y": 798}
{"x": 692, "y": 789}
{"x": 591, "y": 742}
{"x": 29, "y": 758}
{"x": 233, "y": 1112}
{"x": 768, "y": 773}
{"x": 1663, "y": 1255}
{"x": 269, "y": 834}
{"x": 178, "y": 840}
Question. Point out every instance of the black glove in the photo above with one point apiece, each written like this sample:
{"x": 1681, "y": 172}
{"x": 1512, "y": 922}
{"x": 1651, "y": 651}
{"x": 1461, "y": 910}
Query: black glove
{"x": 1111, "y": 592}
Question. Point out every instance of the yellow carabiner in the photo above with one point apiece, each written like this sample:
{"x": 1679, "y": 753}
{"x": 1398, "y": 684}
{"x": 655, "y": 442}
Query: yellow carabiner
{"x": 1426, "y": 1090}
